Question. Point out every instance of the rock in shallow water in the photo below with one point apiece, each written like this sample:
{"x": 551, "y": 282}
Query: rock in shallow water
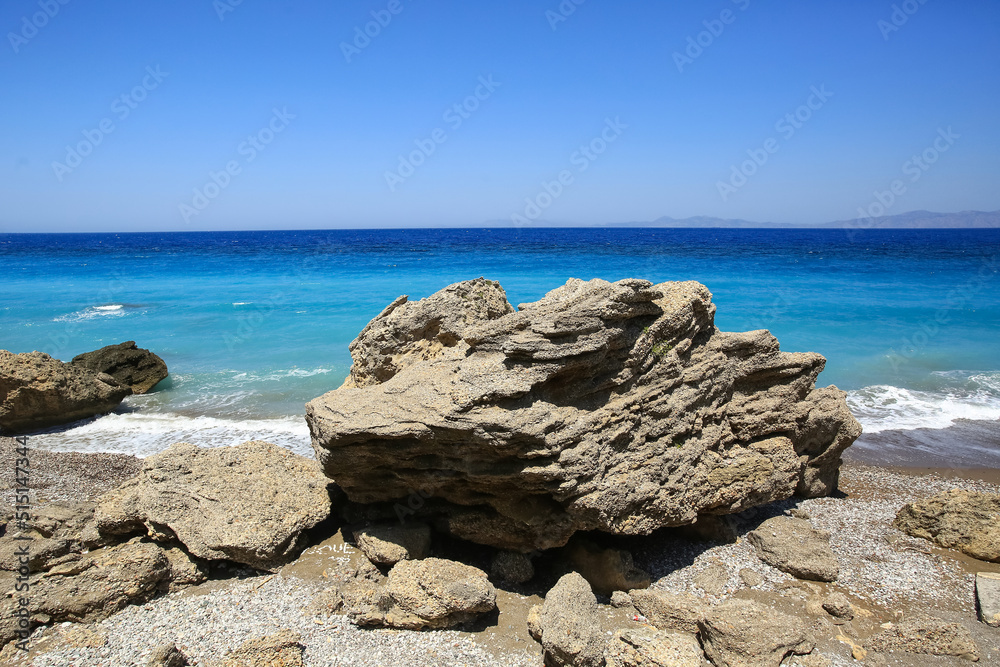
{"x": 129, "y": 364}
{"x": 616, "y": 407}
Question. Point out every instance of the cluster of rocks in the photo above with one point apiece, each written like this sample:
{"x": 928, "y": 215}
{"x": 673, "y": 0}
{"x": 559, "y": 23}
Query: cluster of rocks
{"x": 37, "y": 391}
{"x": 188, "y": 509}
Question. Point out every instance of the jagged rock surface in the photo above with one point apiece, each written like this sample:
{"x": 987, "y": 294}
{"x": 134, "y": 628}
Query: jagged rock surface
{"x": 418, "y": 594}
{"x": 250, "y": 504}
{"x": 741, "y": 632}
{"x": 956, "y": 519}
{"x": 616, "y": 407}
{"x": 568, "y": 626}
{"x": 37, "y": 391}
{"x": 127, "y": 363}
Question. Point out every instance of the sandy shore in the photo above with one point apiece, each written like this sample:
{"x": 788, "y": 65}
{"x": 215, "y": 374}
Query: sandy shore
{"x": 886, "y": 574}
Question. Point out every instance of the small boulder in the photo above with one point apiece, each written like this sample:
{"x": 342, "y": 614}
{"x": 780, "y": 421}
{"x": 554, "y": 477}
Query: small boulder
{"x": 187, "y": 493}
{"x": 282, "y": 649}
{"x": 669, "y": 611}
{"x": 621, "y": 600}
{"x": 741, "y": 632}
{"x": 956, "y": 519}
{"x": 418, "y": 594}
{"x": 37, "y": 391}
{"x": 127, "y": 363}
{"x": 925, "y": 635}
{"x": 607, "y": 570}
{"x": 713, "y": 579}
{"x": 512, "y": 566}
{"x": 988, "y": 598}
{"x": 646, "y": 647}
{"x": 750, "y": 578}
{"x": 794, "y": 546}
{"x": 167, "y": 655}
{"x": 838, "y": 606}
{"x": 568, "y": 626}
{"x": 388, "y": 544}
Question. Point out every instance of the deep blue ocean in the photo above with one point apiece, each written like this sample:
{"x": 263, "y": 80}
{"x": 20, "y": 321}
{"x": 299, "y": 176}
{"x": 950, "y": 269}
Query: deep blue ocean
{"x": 254, "y": 324}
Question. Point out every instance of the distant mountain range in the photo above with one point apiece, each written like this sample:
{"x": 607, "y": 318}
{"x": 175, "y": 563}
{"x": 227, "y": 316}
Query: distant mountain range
{"x": 911, "y": 220}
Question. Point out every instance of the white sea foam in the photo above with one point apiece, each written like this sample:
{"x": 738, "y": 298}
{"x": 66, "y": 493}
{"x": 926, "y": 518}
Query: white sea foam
{"x": 884, "y": 407}
{"x": 143, "y": 434}
{"x": 109, "y": 310}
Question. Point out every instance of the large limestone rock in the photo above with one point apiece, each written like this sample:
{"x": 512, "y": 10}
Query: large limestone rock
{"x": 127, "y": 363}
{"x": 418, "y": 594}
{"x": 568, "y": 626}
{"x": 956, "y": 519}
{"x": 616, "y": 407}
{"x": 250, "y": 503}
{"x": 794, "y": 546}
{"x": 37, "y": 391}
{"x": 737, "y": 633}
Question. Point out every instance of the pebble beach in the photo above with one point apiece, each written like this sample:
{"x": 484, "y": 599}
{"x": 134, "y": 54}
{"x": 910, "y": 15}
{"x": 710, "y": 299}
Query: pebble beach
{"x": 883, "y": 571}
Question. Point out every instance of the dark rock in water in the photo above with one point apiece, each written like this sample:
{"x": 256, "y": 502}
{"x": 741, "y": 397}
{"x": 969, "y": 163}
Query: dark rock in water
{"x": 616, "y": 407}
{"x": 956, "y": 519}
{"x": 250, "y": 503}
{"x": 130, "y": 365}
{"x": 512, "y": 567}
{"x": 37, "y": 391}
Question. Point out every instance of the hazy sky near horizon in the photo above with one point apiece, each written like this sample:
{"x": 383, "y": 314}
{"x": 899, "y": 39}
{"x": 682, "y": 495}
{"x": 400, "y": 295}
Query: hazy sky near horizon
{"x": 201, "y": 114}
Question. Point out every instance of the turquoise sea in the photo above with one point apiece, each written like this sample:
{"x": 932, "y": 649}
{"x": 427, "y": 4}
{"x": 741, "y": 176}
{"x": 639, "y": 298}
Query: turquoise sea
{"x": 254, "y": 324}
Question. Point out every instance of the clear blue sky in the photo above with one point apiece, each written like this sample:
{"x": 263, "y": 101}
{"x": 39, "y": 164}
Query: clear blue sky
{"x": 679, "y": 131}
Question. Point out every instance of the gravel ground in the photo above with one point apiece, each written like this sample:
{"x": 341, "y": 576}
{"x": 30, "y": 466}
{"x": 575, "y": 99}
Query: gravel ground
{"x": 65, "y": 476}
{"x": 879, "y": 564}
{"x": 205, "y": 627}
{"x": 881, "y": 568}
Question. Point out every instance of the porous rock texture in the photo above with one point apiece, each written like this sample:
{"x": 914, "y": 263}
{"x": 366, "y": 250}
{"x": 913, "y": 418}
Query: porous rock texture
{"x": 616, "y": 407}
{"x": 37, "y": 391}
{"x": 418, "y": 594}
{"x": 956, "y": 519}
{"x": 794, "y": 546}
{"x": 568, "y": 626}
{"x": 250, "y": 503}
{"x": 127, "y": 363}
